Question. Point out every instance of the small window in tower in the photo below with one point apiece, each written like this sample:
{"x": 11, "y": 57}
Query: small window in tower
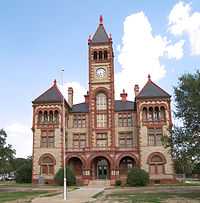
{"x": 100, "y": 55}
{"x": 105, "y": 54}
{"x": 95, "y": 55}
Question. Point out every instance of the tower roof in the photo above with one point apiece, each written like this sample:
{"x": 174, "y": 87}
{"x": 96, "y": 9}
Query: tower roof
{"x": 100, "y": 35}
{"x": 151, "y": 90}
{"x": 52, "y": 95}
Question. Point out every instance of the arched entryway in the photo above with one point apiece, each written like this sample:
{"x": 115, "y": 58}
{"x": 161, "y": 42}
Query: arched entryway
{"x": 125, "y": 164}
{"x": 100, "y": 168}
{"x": 76, "y": 165}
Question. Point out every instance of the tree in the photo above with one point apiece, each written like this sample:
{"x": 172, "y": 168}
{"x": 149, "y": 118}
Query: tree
{"x": 71, "y": 179}
{"x": 185, "y": 140}
{"x": 24, "y": 172}
{"x": 137, "y": 177}
{"x": 6, "y": 154}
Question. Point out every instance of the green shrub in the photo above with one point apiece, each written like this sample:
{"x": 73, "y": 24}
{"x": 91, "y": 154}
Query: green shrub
{"x": 71, "y": 179}
{"x": 24, "y": 173}
{"x": 137, "y": 177}
{"x": 118, "y": 182}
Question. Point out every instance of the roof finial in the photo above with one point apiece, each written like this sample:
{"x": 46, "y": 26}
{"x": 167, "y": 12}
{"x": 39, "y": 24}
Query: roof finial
{"x": 54, "y": 82}
{"x": 149, "y": 76}
{"x": 101, "y": 20}
{"x": 123, "y": 90}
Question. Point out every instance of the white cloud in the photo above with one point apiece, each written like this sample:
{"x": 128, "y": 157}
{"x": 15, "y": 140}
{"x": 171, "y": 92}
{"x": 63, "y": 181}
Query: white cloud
{"x": 20, "y": 137}
{"x": 140, "y": 54}
{"x": 78, "y": 89}
{"x": 183, "y": 21}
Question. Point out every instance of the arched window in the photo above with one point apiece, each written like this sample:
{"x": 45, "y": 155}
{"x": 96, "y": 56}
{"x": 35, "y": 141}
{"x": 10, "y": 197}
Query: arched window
{"x": 156, "y": 113}
{"x": 56, "y": 116}
{"x": 156, "y": 164}
{"x": 162, "y": 113}
{"x": 100, "y": 55}
{"x": 95, "y": 55}
{"x": 51, "y": 116}
{"x": 125, "y": 164}
{"x": 144, "y": 113}
{"x": 150, "y": 114}
{"x": 40, "y": 117}
{"x": 105, "y": 54}
{"x": 101, "y": 101}
{"x": 45, "y": 116}
{"x": 47, "y": 165}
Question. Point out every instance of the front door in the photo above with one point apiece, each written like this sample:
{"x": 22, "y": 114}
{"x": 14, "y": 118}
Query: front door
{"x": 102, "y": 169}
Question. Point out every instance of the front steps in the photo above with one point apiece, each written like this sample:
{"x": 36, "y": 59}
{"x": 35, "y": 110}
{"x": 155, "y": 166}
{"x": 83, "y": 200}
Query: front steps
{"x": 99, "y": 183}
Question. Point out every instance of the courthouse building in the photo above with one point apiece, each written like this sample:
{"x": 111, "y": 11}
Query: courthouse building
{"x": 104, "y": 137}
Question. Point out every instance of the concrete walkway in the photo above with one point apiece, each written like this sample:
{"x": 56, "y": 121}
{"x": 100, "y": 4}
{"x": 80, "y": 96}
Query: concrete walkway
{"x": 81, "y": 195}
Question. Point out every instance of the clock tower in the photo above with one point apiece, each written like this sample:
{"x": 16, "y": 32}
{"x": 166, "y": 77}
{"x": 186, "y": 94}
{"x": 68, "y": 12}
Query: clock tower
{"x": 101, "y": 90}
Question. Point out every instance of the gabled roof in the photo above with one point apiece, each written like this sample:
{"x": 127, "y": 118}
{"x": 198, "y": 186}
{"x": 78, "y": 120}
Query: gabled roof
{"x": 52, "y": 95}
{"x": 151, "y": 90}
{"x": 100, "y": 35}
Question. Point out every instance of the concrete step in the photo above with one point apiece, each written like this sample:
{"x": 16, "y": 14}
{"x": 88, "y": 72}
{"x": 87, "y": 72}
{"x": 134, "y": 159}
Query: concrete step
{"x": 99, "y": 183}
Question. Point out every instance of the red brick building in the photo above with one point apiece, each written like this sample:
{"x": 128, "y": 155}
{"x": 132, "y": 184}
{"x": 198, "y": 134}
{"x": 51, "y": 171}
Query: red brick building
{"x": 104, "y": 137}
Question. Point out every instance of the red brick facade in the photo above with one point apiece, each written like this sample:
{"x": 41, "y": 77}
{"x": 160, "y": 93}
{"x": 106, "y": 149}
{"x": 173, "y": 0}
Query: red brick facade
{"x": 105, "y": 137}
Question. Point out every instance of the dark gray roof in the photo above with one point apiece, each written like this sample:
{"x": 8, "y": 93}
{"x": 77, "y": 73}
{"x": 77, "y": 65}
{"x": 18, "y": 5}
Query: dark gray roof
{"x": 119, "y": 106}
{"x": 124, "y": 105}
{"x": 151, "y": 90}
{"x": 80, "y": 108}
{"x": 52, "y": 95}
{"x": 100, "y": 35}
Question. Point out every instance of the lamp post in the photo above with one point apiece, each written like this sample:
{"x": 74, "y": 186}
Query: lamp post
{"x": 64, "y": 140}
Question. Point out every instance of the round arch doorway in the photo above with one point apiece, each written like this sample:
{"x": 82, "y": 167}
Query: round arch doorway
{"x": 101, "y": 168}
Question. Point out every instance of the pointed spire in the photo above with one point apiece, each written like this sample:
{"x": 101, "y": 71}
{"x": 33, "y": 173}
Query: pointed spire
{"x": 101, "y": 20}
{"x": 55, "y": 82}
{"x": 149, "y": 77}
{"x": 100, "y": 35}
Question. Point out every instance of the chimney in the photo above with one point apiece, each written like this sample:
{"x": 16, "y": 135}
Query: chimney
{"x": 87, "y": 98}
{"x": 136, "y": 90}
{"x": 70, "y": 96}
{"x": 123, "y": 95}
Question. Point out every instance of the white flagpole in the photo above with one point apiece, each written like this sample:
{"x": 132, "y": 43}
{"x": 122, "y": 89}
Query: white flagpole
{"x": 64, "y": 144}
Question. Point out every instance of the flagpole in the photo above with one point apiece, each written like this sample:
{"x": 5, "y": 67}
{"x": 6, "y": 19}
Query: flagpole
{"x": 64, "y": 139}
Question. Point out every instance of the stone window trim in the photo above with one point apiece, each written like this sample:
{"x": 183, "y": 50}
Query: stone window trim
{"x": 156, "y": 162}
{"x": 79, "y": 120}
{"x": 154, "y": 136}
{"x": 48, "y": 116}
{"x": 125, "y": 119}
{"x": 47, "y": 139}
{"x": 153, "y": 113}
{"x": 100, "y": 55}
{"x": 47, "y": 163}
{"x": 127, "y": 138}
{"x": 101, "y": 140}
{"x": 79, "y": 140}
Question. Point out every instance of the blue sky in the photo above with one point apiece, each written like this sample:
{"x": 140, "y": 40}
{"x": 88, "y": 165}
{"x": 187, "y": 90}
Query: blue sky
{"x": 37, "y": 38}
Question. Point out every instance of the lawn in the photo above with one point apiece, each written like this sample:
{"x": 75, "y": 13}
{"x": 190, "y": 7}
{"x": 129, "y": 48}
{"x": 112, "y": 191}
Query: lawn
{"x": 10, "y": 196}
{"x": 150, "y": 197}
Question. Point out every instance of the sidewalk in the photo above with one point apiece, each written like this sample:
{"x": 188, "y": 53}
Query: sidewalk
{"x": 81, "y": 195}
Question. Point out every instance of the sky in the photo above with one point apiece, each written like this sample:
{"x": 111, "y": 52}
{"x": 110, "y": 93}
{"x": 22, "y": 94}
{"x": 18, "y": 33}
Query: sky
{"x": 39, "y": 38}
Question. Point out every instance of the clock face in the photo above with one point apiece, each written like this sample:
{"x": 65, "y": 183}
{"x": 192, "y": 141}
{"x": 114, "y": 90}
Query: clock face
{"x": 100, "y": 72}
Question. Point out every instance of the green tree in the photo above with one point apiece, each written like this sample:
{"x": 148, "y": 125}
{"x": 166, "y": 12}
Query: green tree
{"x": 6, "y": 154}
{"x": 71, "y": 179}
{"x": 24, "y": 172}
{"x": 185, "y": 140}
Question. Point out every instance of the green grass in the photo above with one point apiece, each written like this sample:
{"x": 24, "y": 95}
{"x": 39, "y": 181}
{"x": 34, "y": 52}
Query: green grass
{"x": 10, "y": 196}
{"x": 150, "y": 197}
